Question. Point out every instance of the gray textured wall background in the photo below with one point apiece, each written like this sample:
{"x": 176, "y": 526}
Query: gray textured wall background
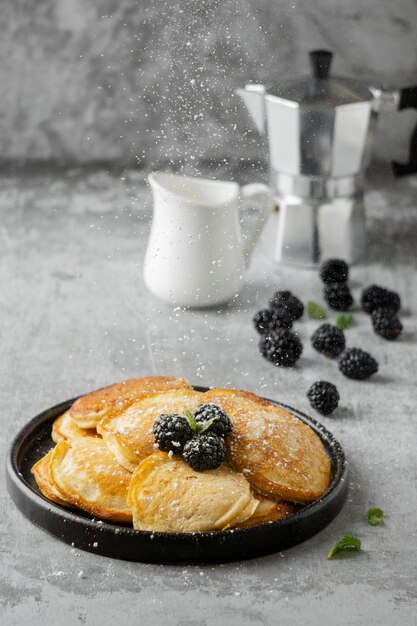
{"x": 119, "y": 79}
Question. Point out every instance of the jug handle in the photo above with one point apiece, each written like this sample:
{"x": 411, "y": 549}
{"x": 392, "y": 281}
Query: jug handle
{"x": 259, "y": 195}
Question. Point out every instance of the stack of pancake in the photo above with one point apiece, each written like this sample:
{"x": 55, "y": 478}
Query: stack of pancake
{"x": 106, "y": 463}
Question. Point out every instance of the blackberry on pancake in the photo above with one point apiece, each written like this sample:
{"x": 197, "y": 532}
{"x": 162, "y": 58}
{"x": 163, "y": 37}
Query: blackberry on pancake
{"x": 221, "y": 426}
{"x": 171, "y": 431}
{"x": 206, "y": 451}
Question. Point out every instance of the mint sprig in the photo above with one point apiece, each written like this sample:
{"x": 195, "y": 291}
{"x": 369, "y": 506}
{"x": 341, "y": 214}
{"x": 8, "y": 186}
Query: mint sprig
{"x": 198, "y": 428}
{"x": 375, "y": 516}
{"x": 190, "y": 419}
{"x": 315, "y": 310}
{"x": 344, "y": 321}
{"x": 347, "y": 543}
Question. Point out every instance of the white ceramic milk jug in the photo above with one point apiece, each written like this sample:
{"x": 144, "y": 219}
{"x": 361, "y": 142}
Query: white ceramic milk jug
{"x": 196, "y": 255}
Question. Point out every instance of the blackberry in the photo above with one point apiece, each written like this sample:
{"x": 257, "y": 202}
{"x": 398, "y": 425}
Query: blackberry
{"x": 281, "y": 318}
{"x": 334, "y": 271}
{"x": 386, "y": 324}
{"x": 282, "y": 347}
{"x": 207, "y": 451}
{"x": 338, "y": 296}
{"x": 171, "y": 432}
{"x": 376, "y": 297}
{"x": 323, "y": 397}
{"x": 271, "y": 319}
{"x": 279, "y": 297}
{"x": 222, "y": 426}
{"x": 328, "y": 340}
{"x": 357, "y": 364}
{"x": 285, "y": 300}
{"x": 262, "y": 319}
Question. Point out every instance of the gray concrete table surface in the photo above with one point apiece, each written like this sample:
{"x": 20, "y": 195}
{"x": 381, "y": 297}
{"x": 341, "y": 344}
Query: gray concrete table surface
{"x": 75, "y": 315}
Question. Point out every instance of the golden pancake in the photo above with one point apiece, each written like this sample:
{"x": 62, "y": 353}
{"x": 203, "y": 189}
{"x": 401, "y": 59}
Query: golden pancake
{"x": 280, "y": 455}
{"x": 65, "y": 429}
{"x": 42, "y": 473}
{"x": 268, "y": 511}
{"x": 128, "y": 434}
{"x": 91, "y": 479}
{"x": 167, "y": 495}
{"x": 88, "y": 410}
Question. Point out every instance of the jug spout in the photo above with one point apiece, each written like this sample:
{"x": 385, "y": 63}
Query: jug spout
{"x": 254, "y": 98}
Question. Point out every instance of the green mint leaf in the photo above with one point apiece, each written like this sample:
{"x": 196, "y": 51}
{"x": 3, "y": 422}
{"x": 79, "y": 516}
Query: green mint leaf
{"x": 198, "y": 428}
{"x": 203, "y": 426}
{"x": 191, "y": 420}
{"x": 375, "y": 517}
{"x": 315, "y": 310}
{"x": 348, "y": 543}
{"x": 344, "y": 321}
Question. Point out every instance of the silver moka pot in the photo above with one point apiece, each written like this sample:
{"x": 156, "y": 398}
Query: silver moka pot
{"x": 319, "y": 132}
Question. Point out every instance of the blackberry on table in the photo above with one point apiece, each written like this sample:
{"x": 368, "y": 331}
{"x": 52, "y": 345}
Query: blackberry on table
{"x": 271, "y": 319}
{"x": 285, "y": 300}
{"x": 222, "y": 426}
{"x": 376, "y": 297}
{"x": 334, "y": 271}
{"x": 281, "y": 347}
{"x": 281, "y": 318}
{"x": 338, "y": 296}
{"x": 357, "y": 364}
{"x": 171, "y": 432}
{"x": 328, "y": 340}
{"x": 386, "y": 323}
{"x": 323, "y": 397}
{"x": 262, "y": 320}
{"x": 206, "y": 451}
{"x": 279, "y": 297}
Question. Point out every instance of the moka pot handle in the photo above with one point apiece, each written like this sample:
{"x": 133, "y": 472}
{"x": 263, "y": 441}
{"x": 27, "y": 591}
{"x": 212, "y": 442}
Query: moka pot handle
{"x": 408, "y": 100}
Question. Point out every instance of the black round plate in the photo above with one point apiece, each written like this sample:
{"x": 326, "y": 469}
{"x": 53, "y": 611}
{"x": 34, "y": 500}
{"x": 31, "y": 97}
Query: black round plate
{"x": 123, "y": 542}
